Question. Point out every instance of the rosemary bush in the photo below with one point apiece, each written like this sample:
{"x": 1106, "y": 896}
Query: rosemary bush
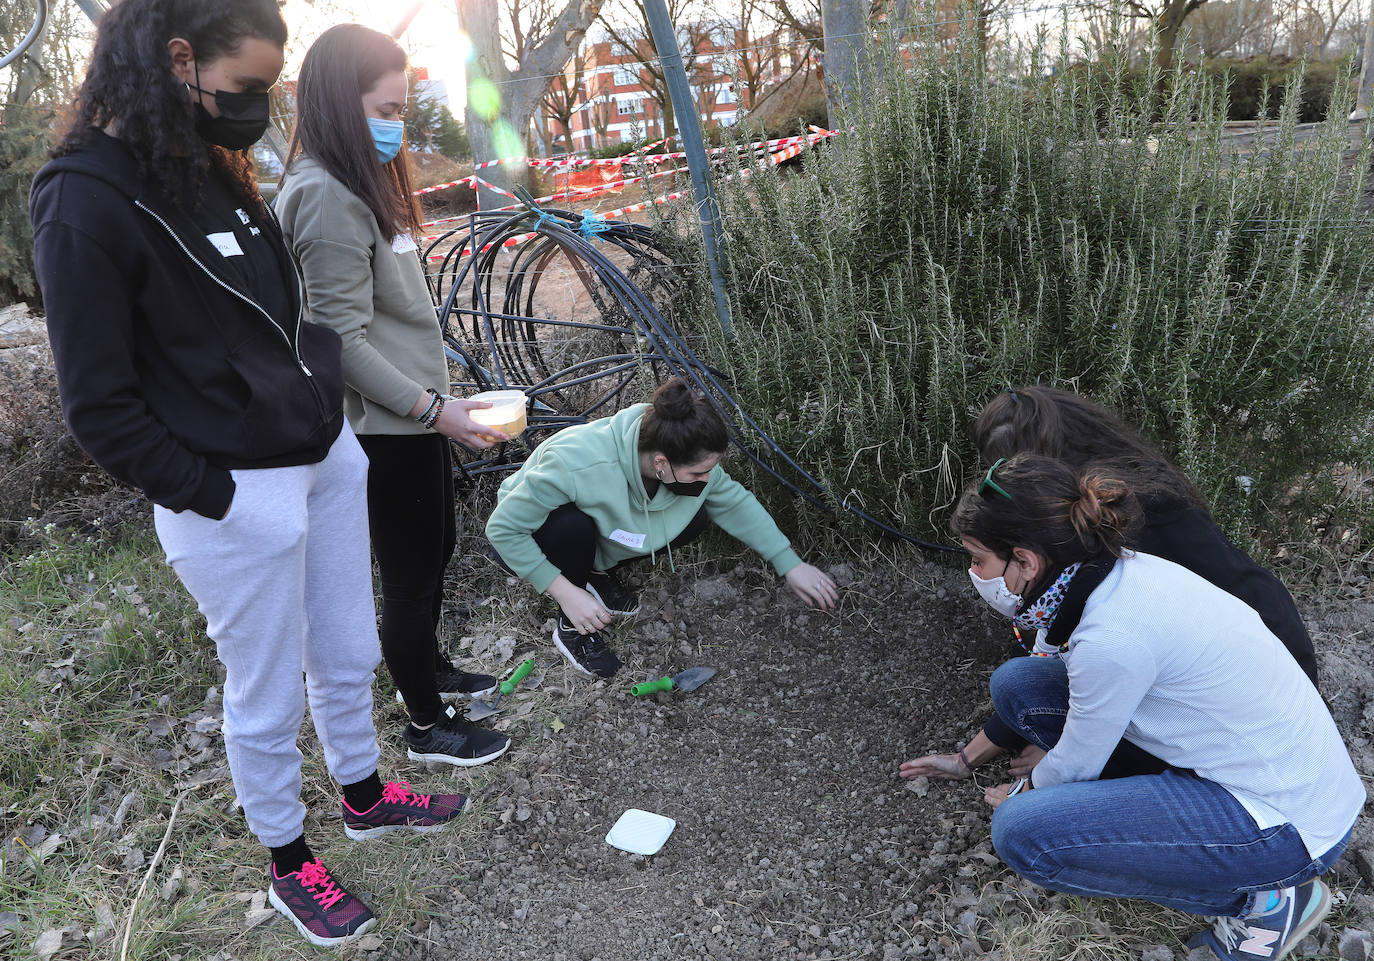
{"x": 963, "y": 234}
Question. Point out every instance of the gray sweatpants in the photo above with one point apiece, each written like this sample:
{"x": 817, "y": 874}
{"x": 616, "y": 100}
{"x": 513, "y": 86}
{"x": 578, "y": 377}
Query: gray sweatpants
{"x": 285, "y": 584}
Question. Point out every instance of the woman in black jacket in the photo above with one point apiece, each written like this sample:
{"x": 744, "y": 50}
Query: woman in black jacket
{"x": 187, "y": 369}
{"x": 1175, "y": 525}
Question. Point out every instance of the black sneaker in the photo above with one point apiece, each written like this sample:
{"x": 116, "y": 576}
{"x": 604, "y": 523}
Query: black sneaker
{"x": 613, "y": 595}
{"x": 454, "y": 683}
{"x": 455, "y": 740}
{"x": 322, "y": 910}
{"x": 587, "y": 653}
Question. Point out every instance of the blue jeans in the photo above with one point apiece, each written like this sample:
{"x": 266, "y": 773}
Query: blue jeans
{"x": 1172, "y": 838}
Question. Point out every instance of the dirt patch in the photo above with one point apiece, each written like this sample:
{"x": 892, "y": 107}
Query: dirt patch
{"x": 794, "y": 838}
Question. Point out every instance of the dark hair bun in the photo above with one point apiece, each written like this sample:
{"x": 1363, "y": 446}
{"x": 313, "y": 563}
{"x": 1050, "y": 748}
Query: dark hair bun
{"x": 682, "y": 424}
{"x": 675, "y": 400}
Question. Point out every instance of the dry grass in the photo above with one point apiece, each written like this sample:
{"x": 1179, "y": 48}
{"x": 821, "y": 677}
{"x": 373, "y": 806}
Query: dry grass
{"x": 104, "y": 671}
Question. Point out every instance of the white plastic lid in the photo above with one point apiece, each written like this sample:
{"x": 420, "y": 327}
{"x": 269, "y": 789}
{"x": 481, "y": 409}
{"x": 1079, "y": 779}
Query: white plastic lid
{"x": 640, "y": 832}
{"x": 502, "y": 398}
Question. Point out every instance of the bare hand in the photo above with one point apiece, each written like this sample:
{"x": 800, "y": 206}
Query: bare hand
{"x": 1023, "y": 763}
{"x": 944, "y": 766}
{"x": 815, "y": 588}
{"x": 996, "y": 794}
{"x": 585, "y": 612}
{"x": 455, "y": 423}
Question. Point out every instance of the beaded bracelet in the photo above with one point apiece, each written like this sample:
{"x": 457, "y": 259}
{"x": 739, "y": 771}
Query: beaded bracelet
{"x": 433, "y": 418}
{"x": 433, "y": 400}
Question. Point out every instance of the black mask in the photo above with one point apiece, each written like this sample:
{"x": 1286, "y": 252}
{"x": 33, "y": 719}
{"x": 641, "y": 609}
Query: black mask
{"x": 683, "y": 488}
{"x": 242, "y": 120}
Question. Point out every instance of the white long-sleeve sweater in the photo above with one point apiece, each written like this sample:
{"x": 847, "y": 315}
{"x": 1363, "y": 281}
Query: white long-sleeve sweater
{"x": 1192, "y": 675}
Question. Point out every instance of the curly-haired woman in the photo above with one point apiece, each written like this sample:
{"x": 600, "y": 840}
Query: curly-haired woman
{"x": 186, "y": 369}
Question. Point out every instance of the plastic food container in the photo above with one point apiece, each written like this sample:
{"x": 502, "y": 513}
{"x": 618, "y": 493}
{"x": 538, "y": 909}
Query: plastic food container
{"x": 506, "y": 413}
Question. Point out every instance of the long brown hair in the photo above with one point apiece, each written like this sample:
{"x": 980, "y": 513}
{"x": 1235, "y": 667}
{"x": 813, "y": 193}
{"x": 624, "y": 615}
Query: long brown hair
{"x": 1071, "y": 428}
{"x": 1041, "y": 504}
{"x": 342, "y": 65}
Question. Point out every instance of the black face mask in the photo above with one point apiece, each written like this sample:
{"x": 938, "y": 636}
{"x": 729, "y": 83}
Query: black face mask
{"x": 242, "y": 120}
{"x": 683, "y": 488}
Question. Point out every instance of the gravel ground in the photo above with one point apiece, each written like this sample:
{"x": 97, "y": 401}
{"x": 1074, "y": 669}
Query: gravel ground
{"x": 795, "y": 838}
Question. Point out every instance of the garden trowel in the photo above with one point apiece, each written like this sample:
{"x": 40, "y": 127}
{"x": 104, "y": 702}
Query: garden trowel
{"x": 480, "y": 709}
{"x": 688, "y": 680}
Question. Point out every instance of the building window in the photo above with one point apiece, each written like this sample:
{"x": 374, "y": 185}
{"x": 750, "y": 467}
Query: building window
{"x": 727, "y": 95}
{"x": 625, "y": 77}
{"x": 625, "y": 107}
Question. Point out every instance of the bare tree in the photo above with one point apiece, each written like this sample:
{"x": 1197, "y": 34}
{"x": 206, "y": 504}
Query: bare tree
{"x": 49, "y": 72}
{"x": 1239, "y": 27}
{"x": 1317, "y": 22}
{"x": 500, "y": 100}
{"x": 1166, "y": 19}
{"x": 566, "y": 95}
{"x": 627, "y": 24}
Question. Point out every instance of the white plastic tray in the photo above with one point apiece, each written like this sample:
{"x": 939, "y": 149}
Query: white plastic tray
{"x": 640, "y": 832}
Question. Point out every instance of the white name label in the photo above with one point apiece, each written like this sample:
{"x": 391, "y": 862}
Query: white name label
{"x": 635, "y": 541}
{"x": 226, "y": 243}
{"x": 403, "y": 244}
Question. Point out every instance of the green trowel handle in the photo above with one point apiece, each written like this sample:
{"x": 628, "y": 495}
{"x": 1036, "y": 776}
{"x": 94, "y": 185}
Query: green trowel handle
{"x": 521, "y": 672}
{"x": 651, "y": 687}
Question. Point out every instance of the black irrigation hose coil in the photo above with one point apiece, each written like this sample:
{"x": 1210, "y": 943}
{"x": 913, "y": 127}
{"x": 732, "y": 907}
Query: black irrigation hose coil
{"x": 576, "y": 371}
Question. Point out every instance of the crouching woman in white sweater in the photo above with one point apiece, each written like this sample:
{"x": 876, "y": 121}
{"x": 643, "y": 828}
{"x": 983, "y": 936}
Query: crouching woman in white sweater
{"x": 1260, "y": 795}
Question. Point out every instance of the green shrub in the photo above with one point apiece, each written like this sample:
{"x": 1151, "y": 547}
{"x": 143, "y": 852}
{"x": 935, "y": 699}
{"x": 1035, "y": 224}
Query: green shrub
{"x": 23, "y": 149}
{"x": 1258, "y": 84}
{"x": 1255, "y": 86}
{"x": 961, "y": 236}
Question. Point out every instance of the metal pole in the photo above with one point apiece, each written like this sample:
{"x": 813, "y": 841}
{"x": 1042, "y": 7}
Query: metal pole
{"x": 689, "y": 128}
{"x": 93, "y": 9}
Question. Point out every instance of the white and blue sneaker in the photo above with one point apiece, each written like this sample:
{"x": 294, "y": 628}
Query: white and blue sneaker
{"x": 1272, "y": 929}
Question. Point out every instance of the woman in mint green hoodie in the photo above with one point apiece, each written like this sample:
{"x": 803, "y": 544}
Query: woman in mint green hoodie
{"x": 641, "y": 482}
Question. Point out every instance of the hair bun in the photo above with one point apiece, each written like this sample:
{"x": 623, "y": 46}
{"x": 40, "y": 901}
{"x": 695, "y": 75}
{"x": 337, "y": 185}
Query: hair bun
{"x": 1099, "y": 506}
{"x": 675, "y": 400}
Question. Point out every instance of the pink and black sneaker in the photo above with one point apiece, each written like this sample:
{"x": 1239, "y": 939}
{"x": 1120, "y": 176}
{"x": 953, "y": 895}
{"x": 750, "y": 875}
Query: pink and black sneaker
{"x": 323, "y": 912}
{"x": 400, "y": 809}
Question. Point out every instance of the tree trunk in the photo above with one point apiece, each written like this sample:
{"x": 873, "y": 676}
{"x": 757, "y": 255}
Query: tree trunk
{"x": 500, "y": 103}
{"x": 30, "y": 68}
{"x": 1167, "y": 29}
{"x": 845, "y": 25}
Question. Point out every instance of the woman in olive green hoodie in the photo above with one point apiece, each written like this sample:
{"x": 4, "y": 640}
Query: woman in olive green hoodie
{"x": 641, "y": 482}
{"x": 350, "y": 218}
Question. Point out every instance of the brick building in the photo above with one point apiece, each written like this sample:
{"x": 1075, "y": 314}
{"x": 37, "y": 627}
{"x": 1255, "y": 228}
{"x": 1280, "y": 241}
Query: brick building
{"x": 607, "y": 93}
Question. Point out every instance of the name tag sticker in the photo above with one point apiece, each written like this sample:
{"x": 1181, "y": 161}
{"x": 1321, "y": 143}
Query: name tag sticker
{"x": 403, "y": 244}
{"x": 635, "y": 541}
{"x": 226, "y": 243}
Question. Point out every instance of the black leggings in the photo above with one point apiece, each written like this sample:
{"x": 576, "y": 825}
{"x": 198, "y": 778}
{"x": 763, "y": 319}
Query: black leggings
{"x": 568, "y": 539}
{"x": 414, "y": 531}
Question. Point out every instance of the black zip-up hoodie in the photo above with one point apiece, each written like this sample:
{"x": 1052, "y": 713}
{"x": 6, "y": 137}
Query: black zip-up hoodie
{"x": 170, "y": 373}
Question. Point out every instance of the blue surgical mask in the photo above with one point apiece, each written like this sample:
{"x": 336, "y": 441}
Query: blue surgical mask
{"x": 386, "y": 136}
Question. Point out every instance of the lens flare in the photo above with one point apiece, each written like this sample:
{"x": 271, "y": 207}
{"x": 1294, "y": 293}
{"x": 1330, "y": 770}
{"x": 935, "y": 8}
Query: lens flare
{"x": 483, "y": 98}
{"x": 462, "y": 47}
{"x": 507, "y": 142}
